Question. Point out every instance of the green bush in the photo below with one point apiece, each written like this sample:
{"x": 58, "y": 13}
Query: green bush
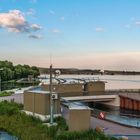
{"x": 9, "y": 108}
{"x": 27, "y": 127}
{"x": 5, "y": 93}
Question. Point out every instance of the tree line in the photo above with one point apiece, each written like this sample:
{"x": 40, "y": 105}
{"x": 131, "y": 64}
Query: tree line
{"x": 10, "y": 72}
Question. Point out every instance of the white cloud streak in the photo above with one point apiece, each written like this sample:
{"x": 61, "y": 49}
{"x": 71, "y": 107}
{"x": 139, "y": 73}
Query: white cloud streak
{"x": 35, "y": 36}
{"x": 99, "y": 29}
{"x": 31, "y": 12}
{"x": 55, "y": 31}
{"x": 137, "y": 23}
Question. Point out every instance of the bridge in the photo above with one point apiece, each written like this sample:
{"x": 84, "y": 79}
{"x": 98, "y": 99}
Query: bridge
{"x": 112, "y": 100}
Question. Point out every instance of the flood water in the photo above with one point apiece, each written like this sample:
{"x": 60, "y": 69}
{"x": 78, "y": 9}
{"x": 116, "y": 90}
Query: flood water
{"x": 112, "y": 81}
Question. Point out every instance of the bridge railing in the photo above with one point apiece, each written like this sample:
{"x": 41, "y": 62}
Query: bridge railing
{"x": 122, "y": 91}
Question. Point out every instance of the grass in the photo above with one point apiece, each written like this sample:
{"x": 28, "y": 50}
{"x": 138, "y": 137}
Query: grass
{"x": 26, "y": 127}
{"x": 5, "y": 93}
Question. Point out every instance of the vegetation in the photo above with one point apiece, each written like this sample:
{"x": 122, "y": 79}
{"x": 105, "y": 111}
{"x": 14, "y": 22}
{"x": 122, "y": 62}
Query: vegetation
{"x": 26, "y": 127}
{"x": 10, "y": 72}
{"x": 5, "y": 93}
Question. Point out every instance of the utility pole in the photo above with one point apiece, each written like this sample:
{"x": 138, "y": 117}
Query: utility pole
{"x": 51, "y": 100}
{"x": 0, "y": 79}
{"x": 0, "y": 83}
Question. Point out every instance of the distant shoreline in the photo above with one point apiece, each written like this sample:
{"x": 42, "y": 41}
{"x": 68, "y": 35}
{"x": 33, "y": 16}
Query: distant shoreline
{"x": 88, "y": 71}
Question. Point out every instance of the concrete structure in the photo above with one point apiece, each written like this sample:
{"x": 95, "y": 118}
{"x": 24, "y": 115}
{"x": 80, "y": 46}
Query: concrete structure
{"x": 113, "y": 104}
{"x": 65, "y": 90}
{"x": 77, "y": 89}
{"x": 39, "y": 102}
{"x": 77, "y": 117}
{"x": 111, "y": 101}
{"x": 93, "y": 88}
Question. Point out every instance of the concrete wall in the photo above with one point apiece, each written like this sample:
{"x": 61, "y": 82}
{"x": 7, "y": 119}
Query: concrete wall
{"x": 76, "y": 89}
{"x": 39, "y": 103}
{"x": 113, "y": 104}
{"x": 93, "y": 88}
{"x": 77, "y": 119}
{"x": 65, "y": 90}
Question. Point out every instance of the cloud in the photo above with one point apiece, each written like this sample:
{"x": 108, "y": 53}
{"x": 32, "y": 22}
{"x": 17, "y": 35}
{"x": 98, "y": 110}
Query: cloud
{"x": 31, "y": 12}
{"x": 51, "y": 12}
{"x": 62, "y": 18}
{"x": 35, "y": 27}
{"x": 137, "y": 23}
{"x": 99, "y": 29}
{"x": 55, "y": 31}
{"x": 35, "y": 36}
{"x": 15, "y": 21}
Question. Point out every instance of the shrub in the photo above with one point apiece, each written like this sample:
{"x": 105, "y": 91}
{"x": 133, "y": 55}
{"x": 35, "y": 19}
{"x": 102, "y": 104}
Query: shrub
{"x": 27, "y": 127}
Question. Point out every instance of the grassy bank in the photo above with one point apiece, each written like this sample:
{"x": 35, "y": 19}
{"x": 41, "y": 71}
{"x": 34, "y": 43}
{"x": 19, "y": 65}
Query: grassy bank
{"x": 26, "y": 127}
{"x": 5, "y": 93}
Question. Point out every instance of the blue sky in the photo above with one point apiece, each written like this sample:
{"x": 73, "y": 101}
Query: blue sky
{"x": 76, "y": 33}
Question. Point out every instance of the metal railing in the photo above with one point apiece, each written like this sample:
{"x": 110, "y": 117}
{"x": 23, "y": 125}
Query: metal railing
{"x": 122, "y": 91}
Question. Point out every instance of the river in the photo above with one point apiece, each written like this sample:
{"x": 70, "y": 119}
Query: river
{"x": 112, "y": 81}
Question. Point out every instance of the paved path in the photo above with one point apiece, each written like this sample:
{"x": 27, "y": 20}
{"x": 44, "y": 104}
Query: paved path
{"x": 113, "y": 128}
{"x": 18, "y": 98}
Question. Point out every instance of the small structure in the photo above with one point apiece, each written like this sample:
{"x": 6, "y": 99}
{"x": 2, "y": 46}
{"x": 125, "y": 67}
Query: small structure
{"x": 94, "y": 88}
{"x": 77, "y": 117}
{"x": 66, "y": 89}
{"x": 39, "y": 102}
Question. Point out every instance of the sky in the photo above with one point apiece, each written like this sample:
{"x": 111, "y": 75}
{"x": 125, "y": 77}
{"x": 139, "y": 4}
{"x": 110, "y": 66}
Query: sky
{"x": 95, "y": 34}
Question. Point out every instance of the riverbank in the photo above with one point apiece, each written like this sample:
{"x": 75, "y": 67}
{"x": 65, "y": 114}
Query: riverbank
{"x": 25, "y": 127}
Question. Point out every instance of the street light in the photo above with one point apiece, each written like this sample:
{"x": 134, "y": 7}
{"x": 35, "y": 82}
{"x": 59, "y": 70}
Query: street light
{"x": 51, "y": 100}
{"x": 52, "y": 96}
{"x": 0, "y": 78}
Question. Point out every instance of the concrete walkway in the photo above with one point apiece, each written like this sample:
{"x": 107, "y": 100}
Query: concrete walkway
{"x": 18, "y": 98}
{"x": 113, "y": 128}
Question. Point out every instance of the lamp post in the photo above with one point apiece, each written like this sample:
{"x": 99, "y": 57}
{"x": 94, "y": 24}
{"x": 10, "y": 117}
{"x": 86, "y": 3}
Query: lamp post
{"x": 52, "y": 95}
{"x": 0, "y": 78}
{"x": 51, "y": 100}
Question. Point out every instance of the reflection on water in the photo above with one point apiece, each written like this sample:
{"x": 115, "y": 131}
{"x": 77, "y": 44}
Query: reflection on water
{"x": 129, "y": 113}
